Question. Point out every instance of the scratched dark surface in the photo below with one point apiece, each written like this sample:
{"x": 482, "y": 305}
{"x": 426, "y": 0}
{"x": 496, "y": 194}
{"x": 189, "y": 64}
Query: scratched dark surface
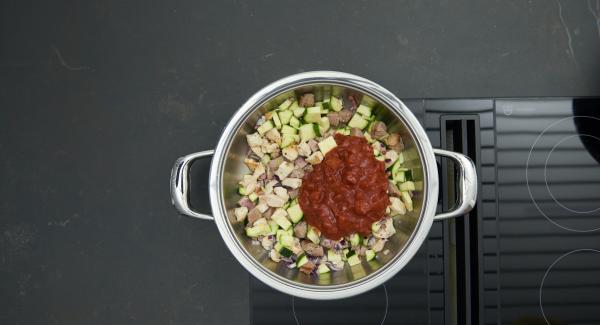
{"x": 97, "y": 99}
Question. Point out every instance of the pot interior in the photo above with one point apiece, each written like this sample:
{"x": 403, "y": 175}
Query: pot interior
{"x": 406, "y": 225}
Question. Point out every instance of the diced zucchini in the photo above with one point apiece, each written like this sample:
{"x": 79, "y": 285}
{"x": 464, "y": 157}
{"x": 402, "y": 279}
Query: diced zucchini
{"x": 369, "y": 254}
{"x": 375, "y": 226}
{"x": 409, "y": 175}
{"x": 326, "y": 104}
{"x": 407, "y": 186}
{"x": 358, "y": 122}
{"x": 285, "y": 117}
{"x": 333, "y": 256}
{"x": 289, "y": 139}
{"x": 345, "y": 253}
{"x": 253, "y": 197}
{"x": 302, "y": 259}
{"x": 307, "y": 132}
{"x": 336, "y": 103}
{"x": 274, "y": 226}
{"x": 280, "y": 216}
{"x": 287, "y": 240}
{"x": 313, "y": 236}
{"x": 277, "y": 246}
{"x": 324, "y": 124}
{"x": 322, "y": 269}
{"x": 293, "y": 106}
{"x": 368, "y": 101}
{"x": 295, "y": 213}
{"x": 364, "y": 110}
{"x": 344, "y": 131}
{"x": 286, "y": 129}
{"x": 355, "y": 240}
{"x": 399, "y": 176}
{"x": 285, "y": 252}
{"x": 299, "y": 111}
{"x": 294, "y": 122}
{"x": 400, "y": 158}
{"x": 369, "y": 138}
{"x": 407, "y": 201}
{"x": 265, "y": 127}
{"x": 258, "y": 230}
{"x": 317, "y": 129}
{"x": 353, "y": 259}
{"x": 242, "y": 190}
{"x": 285, "y": 104}
{"x": 265, "y": 159}
{"x": 380, "y": 158}
{"x": 279, "y": 233}
{"x": 276, "y": 120}
{"x": 313, "y": 115}
{"x": 327, "y": 144}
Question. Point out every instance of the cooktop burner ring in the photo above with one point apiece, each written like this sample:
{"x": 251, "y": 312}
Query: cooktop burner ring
{"x": 546, "y": 173}
{"x": 529, "y": 159}
{"x": 382, "y": 320}
{"x": 556, "y": 261}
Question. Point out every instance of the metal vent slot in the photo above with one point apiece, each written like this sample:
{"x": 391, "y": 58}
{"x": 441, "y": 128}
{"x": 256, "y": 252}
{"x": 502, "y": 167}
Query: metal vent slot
{"x": 462, "y": 240}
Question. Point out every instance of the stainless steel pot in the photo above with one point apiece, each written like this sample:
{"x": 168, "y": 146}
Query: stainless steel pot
{"x": 228, "y": 167}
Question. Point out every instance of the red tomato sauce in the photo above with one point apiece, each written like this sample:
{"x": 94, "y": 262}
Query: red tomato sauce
{"x": 347, "y": 191}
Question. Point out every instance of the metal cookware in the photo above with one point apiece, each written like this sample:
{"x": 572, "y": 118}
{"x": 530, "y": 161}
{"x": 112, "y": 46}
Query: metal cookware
{"x": 228, "y": 167}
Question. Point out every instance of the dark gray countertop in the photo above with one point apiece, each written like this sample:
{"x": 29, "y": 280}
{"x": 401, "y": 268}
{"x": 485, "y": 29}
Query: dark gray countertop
{"x": 97, "y": 99}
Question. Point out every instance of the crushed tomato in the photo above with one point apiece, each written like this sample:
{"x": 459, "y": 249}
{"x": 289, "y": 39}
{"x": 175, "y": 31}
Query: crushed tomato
{"x": 347, "y": 191}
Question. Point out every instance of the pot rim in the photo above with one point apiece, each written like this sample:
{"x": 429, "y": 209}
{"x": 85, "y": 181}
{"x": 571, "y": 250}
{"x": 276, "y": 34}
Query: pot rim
{"x": 370, "y": 281}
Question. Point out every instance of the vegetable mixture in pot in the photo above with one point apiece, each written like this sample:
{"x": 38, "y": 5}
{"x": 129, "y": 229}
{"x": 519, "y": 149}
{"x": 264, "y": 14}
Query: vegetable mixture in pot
{"x": 326, "y": 180}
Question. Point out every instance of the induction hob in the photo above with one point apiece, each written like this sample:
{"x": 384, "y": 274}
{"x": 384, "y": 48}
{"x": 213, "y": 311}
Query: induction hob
{"x": 529, "y": 253}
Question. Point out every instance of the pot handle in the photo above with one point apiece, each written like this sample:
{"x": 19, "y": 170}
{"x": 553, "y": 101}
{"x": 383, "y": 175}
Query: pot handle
{"x": 467, "y": 184}
{"x": 180, "y": 180}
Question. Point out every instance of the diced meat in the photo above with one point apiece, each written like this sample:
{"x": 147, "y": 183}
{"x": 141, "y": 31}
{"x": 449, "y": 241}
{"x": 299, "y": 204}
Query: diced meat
{"x": 257, "y": 150}
{"x": 267, "y": 242}
{"x": 300, "y": 162}
{"x": 274, "y": 255}
{"x": 311, "y": 248}
{"x": 307, "y": 100}
{"x": 345, "y": 115}
{"x": 260, "y": 170}
{"x": 269, "y": 187}
{"x": 397, "y": 206}
{"x": 281, "y": 192}
{"x": 251, "y": 163}
{"x": 315, "y": 158}
{"x": 274, "y": 136}
{"x": 356, "y": 132}
{"x": 292, "y": 182}
{"x": 326, "y": 242}
{"x": 293, "y": 193}
{"x": 394, "y": 141}
{"x": 275, "y": 153}
{"x": 240, "y": 213}
{"x": 274, "y": 163}
{"x": 284, "y": 170}
{"x": 386, "y": 229}
{"x": 246, "y": 202}
{"x": 308, "y": 169}
{"x": 349, "y": 102}
{"x": 314, "y": 145}
{"x": 269, "y": 213}
{"x": 273, "y": 200}
{"x": 254, "y": 139}
{"x": 297, "y": 173}
{"x": 334, "y": 119}
{"x": 377, "y": 244}
{"x": 253, "y": 215}
{"x": 290, "y": 153}
{"x": 269, "y": 147}
{"x": 300, "y": 229}
{"x": 390, "y": 158}
{"x": 379, "y": 130}
{"x": 262, "y": 207}
{"x": 393, "y": 189}
{"x": 308, "y": 267}
{"x": 304, "y": 149}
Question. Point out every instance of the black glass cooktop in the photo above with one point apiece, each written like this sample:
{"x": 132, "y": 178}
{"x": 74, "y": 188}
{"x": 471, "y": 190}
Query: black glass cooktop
{"x": 529, "y": 253}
